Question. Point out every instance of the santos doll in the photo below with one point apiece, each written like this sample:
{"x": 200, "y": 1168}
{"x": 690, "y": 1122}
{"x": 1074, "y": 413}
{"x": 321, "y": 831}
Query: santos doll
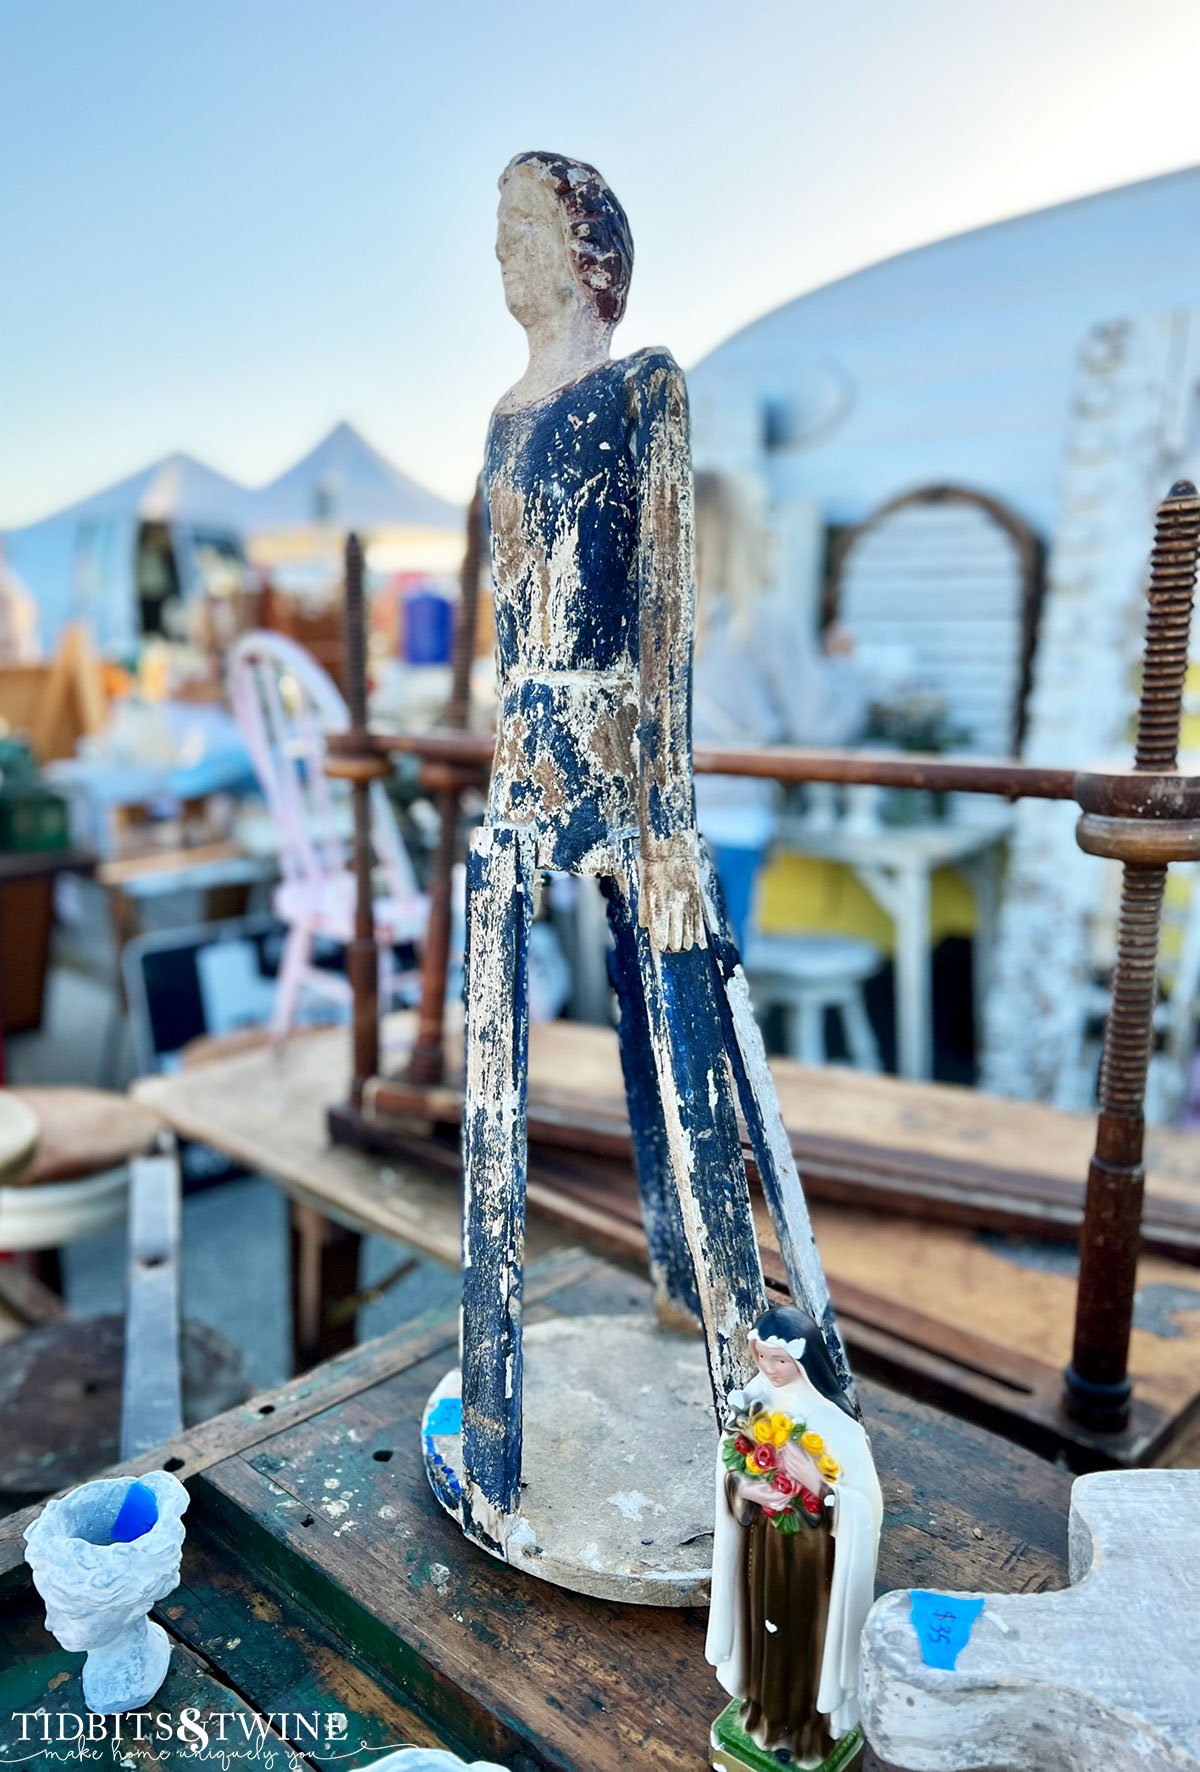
{"x": 797, "y": 1535}
{"x": 588, "y": 489}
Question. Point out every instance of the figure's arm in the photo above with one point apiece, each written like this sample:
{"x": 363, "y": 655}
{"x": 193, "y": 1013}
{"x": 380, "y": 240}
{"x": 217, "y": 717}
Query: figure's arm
{"x": 669, "y": 903}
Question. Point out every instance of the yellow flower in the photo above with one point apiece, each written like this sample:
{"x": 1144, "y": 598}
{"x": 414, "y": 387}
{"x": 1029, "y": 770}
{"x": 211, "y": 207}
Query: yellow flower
{"x": 763, "y": 1431}
{"x": 829, "y": 1468}
{"x": 753, "y": 1467}
{"x": 812, "y": 1443}
{"x": 781, "y": 1429}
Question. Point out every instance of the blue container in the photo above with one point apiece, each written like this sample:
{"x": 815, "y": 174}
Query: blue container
{"x": 428, "y": 628}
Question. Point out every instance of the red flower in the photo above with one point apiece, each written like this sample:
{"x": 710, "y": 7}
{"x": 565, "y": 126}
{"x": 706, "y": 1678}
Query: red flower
{"x": 810, "y": 1503}
{"x": 764, "y": 1452}
{"x": 743, "y": 1445}
{"x": 784, "y": 1483}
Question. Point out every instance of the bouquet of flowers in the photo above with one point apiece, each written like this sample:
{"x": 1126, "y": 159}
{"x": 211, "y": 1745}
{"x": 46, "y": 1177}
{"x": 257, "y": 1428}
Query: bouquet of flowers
{"x": 767, "y": 1449}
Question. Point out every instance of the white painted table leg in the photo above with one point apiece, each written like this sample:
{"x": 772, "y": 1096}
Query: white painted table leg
{"x": 983, "y": 873}
{"x": 914, "y": 980}
{"x": 904, "y": 893}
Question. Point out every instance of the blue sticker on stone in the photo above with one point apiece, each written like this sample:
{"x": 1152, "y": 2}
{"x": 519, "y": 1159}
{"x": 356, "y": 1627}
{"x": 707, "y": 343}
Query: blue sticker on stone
{"x": 445, "y": 1417}
{"x": 943, "y": 1623}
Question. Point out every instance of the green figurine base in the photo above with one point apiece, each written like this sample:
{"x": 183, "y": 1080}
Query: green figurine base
{"x": 732, "y": 1750}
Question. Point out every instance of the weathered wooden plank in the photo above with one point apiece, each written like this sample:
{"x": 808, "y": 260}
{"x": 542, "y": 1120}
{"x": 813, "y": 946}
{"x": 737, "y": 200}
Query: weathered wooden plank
{"x": 287, "y": 1661}
{"x": 519, "y": 1666}
{"x": 238, "y": 1429}
{"x": 928, "y": 1148}
{"x": 152, "y": 1387}
{"x": 1102, "y": 1673}
{"x": 196, "y": 1718}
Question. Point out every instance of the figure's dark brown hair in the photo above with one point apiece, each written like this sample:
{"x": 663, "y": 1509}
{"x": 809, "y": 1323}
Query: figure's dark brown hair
{"x": 598, "y": 238}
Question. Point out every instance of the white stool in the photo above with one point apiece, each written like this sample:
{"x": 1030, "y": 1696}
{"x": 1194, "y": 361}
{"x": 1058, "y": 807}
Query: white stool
{"x": 807, "y": 974}
{"x": 74, "y": 1181}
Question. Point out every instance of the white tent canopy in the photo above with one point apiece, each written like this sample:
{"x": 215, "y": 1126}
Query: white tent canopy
{"x": 346, "y": 484}
{"x": 80, "y": 562}
{"x": 177, "y": 489}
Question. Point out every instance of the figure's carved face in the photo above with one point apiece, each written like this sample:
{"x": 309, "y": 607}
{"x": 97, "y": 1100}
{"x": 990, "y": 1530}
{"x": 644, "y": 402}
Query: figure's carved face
{"x": 532, "y": 248}
{"x": 775, "y": 1363}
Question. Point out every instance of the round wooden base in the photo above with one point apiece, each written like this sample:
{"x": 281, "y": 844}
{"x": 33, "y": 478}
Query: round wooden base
{"x": 620, "y": 1445}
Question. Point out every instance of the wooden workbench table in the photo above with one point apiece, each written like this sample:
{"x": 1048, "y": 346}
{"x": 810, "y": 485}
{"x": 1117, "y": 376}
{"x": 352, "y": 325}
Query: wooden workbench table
{"x": 974, "y": 1320}
{"x": 320, "y": 1575}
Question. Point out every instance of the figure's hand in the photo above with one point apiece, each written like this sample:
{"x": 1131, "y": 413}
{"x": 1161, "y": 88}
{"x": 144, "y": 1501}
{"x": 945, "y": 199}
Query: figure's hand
{"x": 801, "y": 1467}
{"x": 669, "y": 904}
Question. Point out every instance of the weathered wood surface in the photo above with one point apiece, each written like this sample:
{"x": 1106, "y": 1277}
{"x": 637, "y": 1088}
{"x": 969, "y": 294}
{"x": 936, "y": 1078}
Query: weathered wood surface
{"x": 259, "y": 1418}
{"x": 41, "y": 1705}
{"x": 903, "y": 1288}
{"x": 929, "y": 1149}
{"x": 60, "y": 1399}
{"x": 1102, "y": 1674}
{"x": 527, "y": 1668}
{"x": 319, "y": 1571}
{"x": 152, "y": 1386}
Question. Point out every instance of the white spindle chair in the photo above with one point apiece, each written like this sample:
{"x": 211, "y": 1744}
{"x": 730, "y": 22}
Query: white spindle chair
{"x": 285, "y": 706}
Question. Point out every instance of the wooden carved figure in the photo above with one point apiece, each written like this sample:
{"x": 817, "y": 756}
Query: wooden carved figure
{"x": 797, "y": 1535}
{"x": 588, "y": 487}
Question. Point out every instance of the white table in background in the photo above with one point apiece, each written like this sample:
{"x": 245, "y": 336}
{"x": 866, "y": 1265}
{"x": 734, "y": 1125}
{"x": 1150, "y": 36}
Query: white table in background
{"x": 896, "y": 864}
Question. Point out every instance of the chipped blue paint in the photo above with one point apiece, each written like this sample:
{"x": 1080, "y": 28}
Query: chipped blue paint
{"x": 590, "y": 511}
{"x": 445, "y": 1417}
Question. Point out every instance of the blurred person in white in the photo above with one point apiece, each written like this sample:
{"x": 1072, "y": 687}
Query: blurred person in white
{"x": 19, "y": 642}
{"x": 760, "y": 678}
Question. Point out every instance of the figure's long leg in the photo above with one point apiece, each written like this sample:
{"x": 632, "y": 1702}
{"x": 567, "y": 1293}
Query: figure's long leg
{"x": 499, "y": 913}
{"x": 671, "y": 1270}
{"x": 764, "y": 1122}
{"x": 704, "y": 1149}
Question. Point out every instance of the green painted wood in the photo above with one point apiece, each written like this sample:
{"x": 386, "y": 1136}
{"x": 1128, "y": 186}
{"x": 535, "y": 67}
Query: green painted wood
{"x": 195, "y": 1721}
{"x": 515, "y": 1666}
{"x": 289, "y": 1662}
{"x": 319, "y": 1573}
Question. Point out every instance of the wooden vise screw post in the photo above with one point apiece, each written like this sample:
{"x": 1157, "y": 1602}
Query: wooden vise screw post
{"x": 1097, "y": 1386}
{"x": 362, "y": 960}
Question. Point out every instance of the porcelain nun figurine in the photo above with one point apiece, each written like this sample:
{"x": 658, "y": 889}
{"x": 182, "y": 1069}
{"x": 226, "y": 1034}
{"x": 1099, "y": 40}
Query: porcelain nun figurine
{"x": 588, "y": 488}
{"x": 797, "y": 1534}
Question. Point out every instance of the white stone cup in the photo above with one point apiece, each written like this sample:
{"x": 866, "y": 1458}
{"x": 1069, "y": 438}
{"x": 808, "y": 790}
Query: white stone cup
{"x": 98, "y": 1594}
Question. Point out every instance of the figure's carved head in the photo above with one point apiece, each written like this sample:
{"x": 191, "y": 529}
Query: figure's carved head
{"x": 561, "y": 237}
{"x": 786, "y": 1343}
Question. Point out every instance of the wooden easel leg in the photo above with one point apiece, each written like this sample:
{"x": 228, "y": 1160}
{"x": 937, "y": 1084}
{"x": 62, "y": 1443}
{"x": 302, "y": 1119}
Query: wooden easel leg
{"x": 500, "y": 881}
{"x": 705, "y": 1150}
{"x": 324, "y": 1272}
{"x": 676, "y": 1299}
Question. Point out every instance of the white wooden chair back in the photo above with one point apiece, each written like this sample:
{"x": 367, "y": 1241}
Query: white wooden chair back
{"x": 285, "y": 705}
{"x": 937, "y": 590}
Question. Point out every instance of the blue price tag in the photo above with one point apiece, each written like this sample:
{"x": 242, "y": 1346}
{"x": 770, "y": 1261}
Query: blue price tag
{"x": 943, "y": 1623}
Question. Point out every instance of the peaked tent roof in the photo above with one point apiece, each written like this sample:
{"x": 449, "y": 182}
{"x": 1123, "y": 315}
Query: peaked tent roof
{"x": 346, "y": 483}
{"x": 178, "y": 488}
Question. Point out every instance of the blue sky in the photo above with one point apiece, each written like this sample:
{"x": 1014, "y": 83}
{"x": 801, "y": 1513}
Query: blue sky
{"x": 226, "y": 224}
